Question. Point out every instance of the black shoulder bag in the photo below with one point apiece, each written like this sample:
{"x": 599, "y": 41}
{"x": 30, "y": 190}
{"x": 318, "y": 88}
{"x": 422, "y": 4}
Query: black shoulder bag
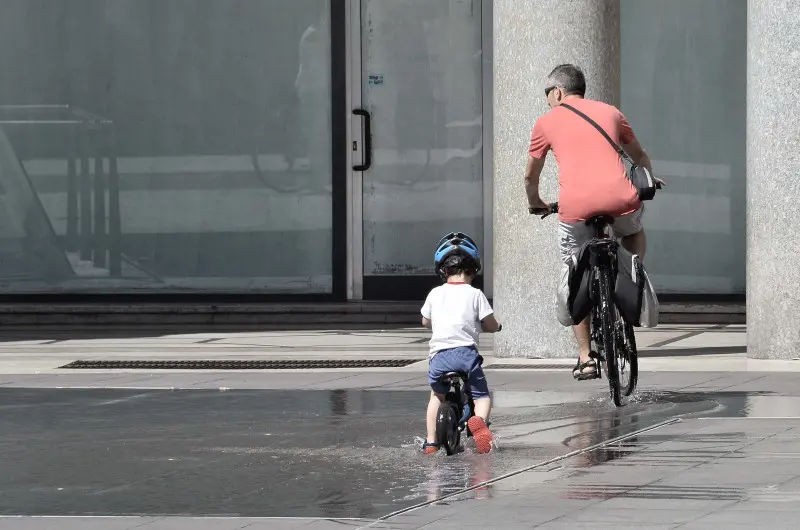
{"x": 641, "y": 179}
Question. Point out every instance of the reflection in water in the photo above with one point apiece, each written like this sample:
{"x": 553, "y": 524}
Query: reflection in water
{"x": 601, "y": 429}
{"x": 455, "y": 474}
{"x": 338, "y": 400}
{"x": 528, "y": 434}
{"x": 597, "y": 430}
{"x": 592, "y": 423}
{"x": 312, "y": 86}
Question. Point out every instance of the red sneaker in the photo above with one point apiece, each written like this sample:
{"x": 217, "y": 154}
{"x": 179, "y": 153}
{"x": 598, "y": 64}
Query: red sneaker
{"x": 481, "y": 434}
{"x": 430, "y": 448}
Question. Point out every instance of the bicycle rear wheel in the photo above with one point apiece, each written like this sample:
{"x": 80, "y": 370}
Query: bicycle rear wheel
{"x": 626, "y": 360}
{"x": 608, "y": 334}
{"x": 630, "y": 357}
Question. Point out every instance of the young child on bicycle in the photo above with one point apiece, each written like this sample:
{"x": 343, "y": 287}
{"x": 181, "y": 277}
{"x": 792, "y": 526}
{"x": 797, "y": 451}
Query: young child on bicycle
{"x": 456, "y": 313}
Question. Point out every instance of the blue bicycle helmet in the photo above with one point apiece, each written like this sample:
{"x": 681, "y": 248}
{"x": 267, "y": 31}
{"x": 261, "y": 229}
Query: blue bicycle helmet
{"x": 456, "y": 243}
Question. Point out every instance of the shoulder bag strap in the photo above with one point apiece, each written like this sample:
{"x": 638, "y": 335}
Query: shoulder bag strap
{"x": 616, "y": 147}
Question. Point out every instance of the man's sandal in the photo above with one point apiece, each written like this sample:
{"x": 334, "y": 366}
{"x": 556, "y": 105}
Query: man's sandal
{"x": 580, "y": 373}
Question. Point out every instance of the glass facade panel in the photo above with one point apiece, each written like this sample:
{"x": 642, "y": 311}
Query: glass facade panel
{"x": 178, "y": 145}
{"x": 684, "y": 92}
{"x": 422, "y": 84}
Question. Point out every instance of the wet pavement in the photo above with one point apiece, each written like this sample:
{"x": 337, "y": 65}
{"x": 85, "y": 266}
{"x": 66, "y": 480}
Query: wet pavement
{"x": 239, "y": 454}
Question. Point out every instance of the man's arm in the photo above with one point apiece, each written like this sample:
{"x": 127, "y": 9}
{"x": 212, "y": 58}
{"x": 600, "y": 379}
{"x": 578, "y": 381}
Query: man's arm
{"x": 634, "y": 149}
{"x": 638, "y": 154}
{"x": 532, "y": 173}
{"x": 641, "y": 158}
{"x": 426, "y": 323}
{"x": 537, "y": 151}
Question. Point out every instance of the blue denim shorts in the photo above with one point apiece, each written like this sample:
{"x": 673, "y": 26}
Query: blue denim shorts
{"x": 462, "y": 359}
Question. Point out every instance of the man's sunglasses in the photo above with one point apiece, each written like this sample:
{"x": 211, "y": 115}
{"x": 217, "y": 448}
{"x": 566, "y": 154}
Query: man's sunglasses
{"x": 548, "y": 90}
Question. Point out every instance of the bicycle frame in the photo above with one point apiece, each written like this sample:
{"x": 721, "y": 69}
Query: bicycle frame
{"x": 461, "y": 397}
{"x": 613, "y": 336}
{"x": 453, "y": 413}
{"x": 603, "y": 259}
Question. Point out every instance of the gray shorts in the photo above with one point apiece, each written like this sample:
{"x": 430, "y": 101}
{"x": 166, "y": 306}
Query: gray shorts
{"x": 572, "y": 235}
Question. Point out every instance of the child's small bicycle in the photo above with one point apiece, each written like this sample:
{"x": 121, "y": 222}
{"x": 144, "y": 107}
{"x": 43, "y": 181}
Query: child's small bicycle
{"x": 454, "y": 412}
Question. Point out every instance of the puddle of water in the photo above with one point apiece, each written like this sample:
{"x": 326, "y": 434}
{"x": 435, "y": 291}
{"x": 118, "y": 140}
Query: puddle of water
{"x": 340, "y": 453}
{"x": 520, "y": 399}
{"x": 765, "y": 406}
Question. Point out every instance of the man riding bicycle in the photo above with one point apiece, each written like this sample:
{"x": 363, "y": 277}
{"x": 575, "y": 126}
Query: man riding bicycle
{"x": 592, "y": 178}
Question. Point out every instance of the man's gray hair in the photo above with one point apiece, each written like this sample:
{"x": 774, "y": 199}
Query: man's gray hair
{"x": 568, "y": 77}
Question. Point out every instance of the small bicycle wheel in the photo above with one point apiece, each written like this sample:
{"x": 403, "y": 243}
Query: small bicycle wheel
{"x": 447, "y": 433}
{"x": 607, "y": 331}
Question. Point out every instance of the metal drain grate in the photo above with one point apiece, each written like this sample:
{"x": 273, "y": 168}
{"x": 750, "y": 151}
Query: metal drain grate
{"x": 241, "y": 365}
{"x": 528, "y": 367}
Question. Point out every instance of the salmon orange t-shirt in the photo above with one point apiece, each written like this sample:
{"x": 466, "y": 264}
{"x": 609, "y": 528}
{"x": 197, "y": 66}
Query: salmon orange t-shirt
{"x": 591, "y": 175}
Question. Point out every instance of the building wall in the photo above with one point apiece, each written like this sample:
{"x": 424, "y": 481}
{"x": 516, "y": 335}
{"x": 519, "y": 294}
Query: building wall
{"x": 773, "y": 164}
{"x": 528, "y": 44}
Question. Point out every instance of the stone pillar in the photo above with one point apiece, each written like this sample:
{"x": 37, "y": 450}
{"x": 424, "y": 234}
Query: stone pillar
{"x": 773, "y": 179}
{"x": 530, "y": 39}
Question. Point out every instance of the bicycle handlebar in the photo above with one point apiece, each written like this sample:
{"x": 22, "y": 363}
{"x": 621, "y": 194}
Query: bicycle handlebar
{"x": 541, "y": 212}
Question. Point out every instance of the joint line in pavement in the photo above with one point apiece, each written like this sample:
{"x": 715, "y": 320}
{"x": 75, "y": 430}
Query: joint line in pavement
{"x": 524, "y": 469}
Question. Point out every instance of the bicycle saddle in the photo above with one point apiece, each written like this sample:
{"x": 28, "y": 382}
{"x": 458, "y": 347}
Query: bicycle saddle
{"x": 600, "y": 220}
{"x": 450, "y": 375}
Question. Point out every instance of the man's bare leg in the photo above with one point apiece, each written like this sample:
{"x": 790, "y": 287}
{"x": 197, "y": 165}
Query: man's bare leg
{"x": 582, "y": 335}
{"x": 636, "y": 243}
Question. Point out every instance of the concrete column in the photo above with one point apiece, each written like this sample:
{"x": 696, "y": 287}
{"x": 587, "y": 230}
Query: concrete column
{"x": 530, "y": 39}
{"x": 773, "y": 179}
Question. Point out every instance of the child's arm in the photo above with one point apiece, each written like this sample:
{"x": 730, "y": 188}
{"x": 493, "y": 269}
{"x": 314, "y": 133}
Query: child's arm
{"x": 426, "y": 312}
{"x": 490, "y": 324}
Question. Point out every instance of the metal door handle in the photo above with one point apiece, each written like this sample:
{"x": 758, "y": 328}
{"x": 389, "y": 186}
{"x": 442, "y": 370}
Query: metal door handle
{"x": 367, "y": 140}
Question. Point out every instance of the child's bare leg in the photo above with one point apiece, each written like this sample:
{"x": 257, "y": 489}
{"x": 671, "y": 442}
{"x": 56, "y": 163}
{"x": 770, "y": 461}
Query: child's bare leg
{"x": 433, "y": 408}
{"x": 482, "y": 407}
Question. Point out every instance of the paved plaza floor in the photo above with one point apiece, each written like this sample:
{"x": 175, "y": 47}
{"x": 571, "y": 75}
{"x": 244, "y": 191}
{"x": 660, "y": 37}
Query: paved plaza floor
{"x": 710, "y": 439}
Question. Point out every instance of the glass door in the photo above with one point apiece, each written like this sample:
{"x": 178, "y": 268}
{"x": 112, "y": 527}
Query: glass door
{"x": 419, "y": 166}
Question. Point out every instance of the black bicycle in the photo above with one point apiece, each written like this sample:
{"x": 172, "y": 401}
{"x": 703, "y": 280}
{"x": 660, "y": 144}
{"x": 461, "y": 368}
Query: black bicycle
{"x": 612, "y": 336}
{"x": 454, "y": 412}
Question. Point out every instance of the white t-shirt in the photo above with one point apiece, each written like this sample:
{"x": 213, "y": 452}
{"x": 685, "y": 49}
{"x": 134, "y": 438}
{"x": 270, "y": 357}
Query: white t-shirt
{"x": 455, "y": 312}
